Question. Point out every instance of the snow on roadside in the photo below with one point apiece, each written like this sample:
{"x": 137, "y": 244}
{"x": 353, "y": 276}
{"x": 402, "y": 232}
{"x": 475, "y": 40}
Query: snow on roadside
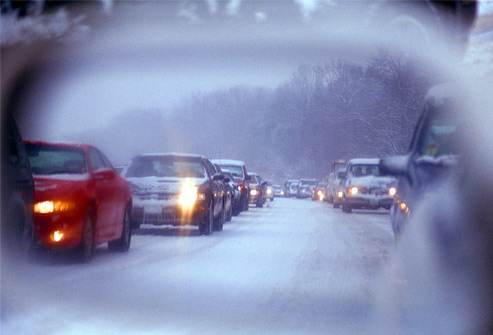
{"x": 57, "y": 26}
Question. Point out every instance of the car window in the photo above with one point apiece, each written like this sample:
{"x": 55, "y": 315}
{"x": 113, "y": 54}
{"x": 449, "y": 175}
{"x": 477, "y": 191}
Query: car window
{"x": 440, "y": 136}
{"x": 96, "y": 161}
{"x": 50, "y": 159}
{"x": 235, "y": 170}
{"x": 165, "y": 167}
{"x": 106, "y": 161}
{"x": 361, "y": 170}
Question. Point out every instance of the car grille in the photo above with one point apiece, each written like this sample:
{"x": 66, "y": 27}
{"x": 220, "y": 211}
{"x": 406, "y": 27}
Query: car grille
{"x": 164, "y": 217}
{"x": 378, "y": 191}
{"x": 161, "y": 218}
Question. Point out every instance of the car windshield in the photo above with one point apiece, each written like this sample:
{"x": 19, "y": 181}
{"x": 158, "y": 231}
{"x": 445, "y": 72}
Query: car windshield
{"x": 308, "y": 183}
{"x": 164, "y": 167}
{"x": 236, "y": 171}
{"x": 51, "y": 159}
{"x": 441, "y": 136}
{"x": 362, "y": 170}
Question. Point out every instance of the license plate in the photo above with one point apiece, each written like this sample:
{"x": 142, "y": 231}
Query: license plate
{"x": 153, "y": 209}
{"x": 373, "y": 202}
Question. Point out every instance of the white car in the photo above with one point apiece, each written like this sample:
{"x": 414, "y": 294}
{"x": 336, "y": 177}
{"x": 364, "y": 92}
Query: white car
{"x": 364, "y": 187}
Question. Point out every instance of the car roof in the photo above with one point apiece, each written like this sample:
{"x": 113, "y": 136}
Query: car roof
{"x": 59, "y": 144}
{"x": 172, "y": 154}
{"x": 370, "y": 161}
{"x": 437, "y": 95}
{"x": 227, "y": 162}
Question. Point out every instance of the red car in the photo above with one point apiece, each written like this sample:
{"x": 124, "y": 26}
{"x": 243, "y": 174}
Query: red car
{"x": 79, "y": 199}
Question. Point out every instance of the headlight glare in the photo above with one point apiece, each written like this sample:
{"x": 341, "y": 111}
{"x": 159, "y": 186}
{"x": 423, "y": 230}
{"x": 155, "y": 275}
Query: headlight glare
{"x": 353, "y": 190}
{"x": 188, "y": 196}
{"x": 392, "y": 191}
{"x": 45, "y": 207}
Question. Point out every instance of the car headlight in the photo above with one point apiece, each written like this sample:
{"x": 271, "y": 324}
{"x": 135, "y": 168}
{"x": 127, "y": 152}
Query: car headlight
{"x": 269, "y": 191}
{"x": 340, "y": 194}
{"x": 45, "y": 207}
{"x": 392, "y": 191}
{"x": 353, "y": 190}
{"x": 188, "y": 196}
{"x": 253, "y": 192}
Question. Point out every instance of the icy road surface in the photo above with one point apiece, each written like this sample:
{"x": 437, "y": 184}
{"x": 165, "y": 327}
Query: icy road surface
{"x": 294, "y": 267}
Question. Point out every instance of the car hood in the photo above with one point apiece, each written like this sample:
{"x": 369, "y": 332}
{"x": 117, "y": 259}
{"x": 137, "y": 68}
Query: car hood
{"x": 59, "y": 186}
{"x": 372, "y": 181}
{"x": 168, "y": 185}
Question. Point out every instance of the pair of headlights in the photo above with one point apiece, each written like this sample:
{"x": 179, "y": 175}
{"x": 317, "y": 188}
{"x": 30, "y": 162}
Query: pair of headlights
{"x": 355, "y": 190}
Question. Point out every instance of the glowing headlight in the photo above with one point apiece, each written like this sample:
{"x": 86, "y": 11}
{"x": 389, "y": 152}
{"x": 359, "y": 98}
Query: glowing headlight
{"x": 188, "y": 196}
{"x": 45, "y": 207}
{"x": 392, "y": 191}
{"x": 340, "y": 194}
{"x": 57, "y": 236}
{"x": 253, "y": 192}
{"x": 353, "y": 190}
{"x": 269, "y": 191}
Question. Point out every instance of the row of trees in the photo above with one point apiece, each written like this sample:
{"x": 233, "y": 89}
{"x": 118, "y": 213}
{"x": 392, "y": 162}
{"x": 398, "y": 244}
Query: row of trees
{"x": 323, "y": 112}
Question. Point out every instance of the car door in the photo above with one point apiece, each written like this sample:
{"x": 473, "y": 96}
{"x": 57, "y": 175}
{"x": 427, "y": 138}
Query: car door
{"x": 110, "y": 208}
{"x": 216, "y": 188}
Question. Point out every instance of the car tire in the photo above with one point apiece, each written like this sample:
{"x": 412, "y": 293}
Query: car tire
{"x": 236, "y": 210}
{"x": 219, "y": 222}
{"x": 335, "y": 205}
{"x": 346, "y": 208}
{"x": 205, "y": 228}
{"x": 246, "y": 205}
{"x": 260, "y": 204}
{"x": 123, "y": 243}
{"x": 85, "y": 251}
{"x": 330, "y": 200}
{"x": 230, "y": 212}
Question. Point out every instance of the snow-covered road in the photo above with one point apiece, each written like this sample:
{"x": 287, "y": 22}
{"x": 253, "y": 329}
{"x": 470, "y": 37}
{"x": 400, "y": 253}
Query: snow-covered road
{"x": 296, "y": 266}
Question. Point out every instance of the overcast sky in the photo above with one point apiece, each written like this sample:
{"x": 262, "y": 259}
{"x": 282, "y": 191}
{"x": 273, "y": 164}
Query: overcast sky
{"x": 96, "y": 92}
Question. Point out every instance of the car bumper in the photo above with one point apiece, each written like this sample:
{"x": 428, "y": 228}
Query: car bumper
{"x": 370, "y": 202}
{"x": 46, "y": 225}
{"x": 167, "y": 213}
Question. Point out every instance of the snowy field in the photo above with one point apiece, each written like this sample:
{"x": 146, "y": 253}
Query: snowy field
{"x": 293, "y": 267}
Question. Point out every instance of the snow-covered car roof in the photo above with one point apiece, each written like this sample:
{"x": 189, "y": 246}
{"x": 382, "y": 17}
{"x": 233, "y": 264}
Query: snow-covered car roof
{"x": 170, "y": 154}
{"x": 369, "y": 161}
{"x": 60, "y": 143}
{"x": 227, "y": 162}
{"x": 438, "y": 94}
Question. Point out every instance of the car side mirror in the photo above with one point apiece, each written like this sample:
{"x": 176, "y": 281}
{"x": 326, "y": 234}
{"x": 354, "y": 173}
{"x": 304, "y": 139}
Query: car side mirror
{"x": 104, "y": 174}
{"x": 395, "y": 165}
{"x": 263, "y": 183}
{"x": 217, "y": 177}
{"x": 341, "y": 175}
{"x": 248, "y": 178}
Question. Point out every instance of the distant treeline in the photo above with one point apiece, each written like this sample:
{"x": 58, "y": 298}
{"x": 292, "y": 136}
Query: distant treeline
{"x": 323, "y": 112}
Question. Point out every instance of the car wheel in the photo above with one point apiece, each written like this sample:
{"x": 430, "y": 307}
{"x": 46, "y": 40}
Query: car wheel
{"x": 205, "y": 227}
{"x": 123, "y": 243}
{"x": 85, "y": 251}
{"x": 246, "y": 205}
{"x": 335, "y": 205}
{"x": 346, "y": 208}
{"x": 218, "y": 223}
{"x": 236, "y": 210}
{"x": 230, "y": 212}
{"x": 260, "y": 204}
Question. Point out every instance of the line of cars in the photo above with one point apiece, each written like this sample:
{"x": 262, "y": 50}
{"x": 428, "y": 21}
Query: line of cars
{"x": 73, "y": 199}
{"x": 400, "y": 183}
